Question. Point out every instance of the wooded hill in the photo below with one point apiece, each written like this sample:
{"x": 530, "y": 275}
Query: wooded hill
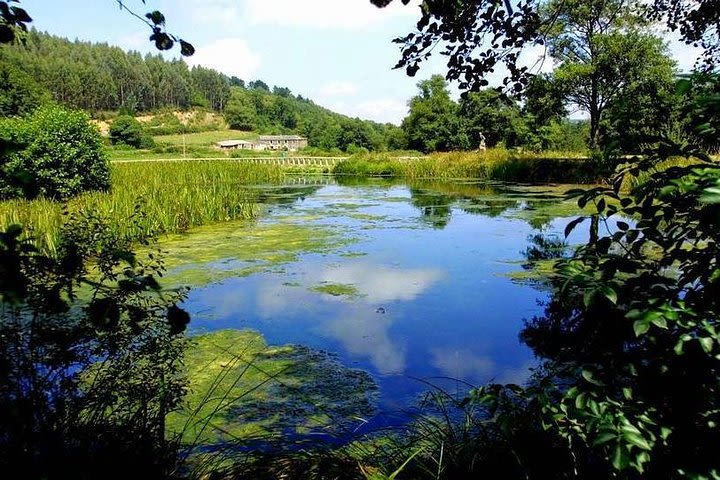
{"x": 98, "y": 78}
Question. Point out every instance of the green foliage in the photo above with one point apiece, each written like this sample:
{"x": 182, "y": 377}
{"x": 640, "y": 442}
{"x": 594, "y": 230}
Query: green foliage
{"x": 632, "y": 325}
{"x": 433, "y": 124}
{"x": 239, "y": 112}
{"x": 176, "y": 196}
{"x": 492, "y": 164}
{"x": 700, "y": 109}
{"x": 20, "y": 94}
{"x": 564, "y": 135}
{"x": 90, "y": 356}
{"x": 55, "y": 153}
{"x": 607, "y": 56}
{"x": 125, "y": 130}
{"x": 494, "y": 117}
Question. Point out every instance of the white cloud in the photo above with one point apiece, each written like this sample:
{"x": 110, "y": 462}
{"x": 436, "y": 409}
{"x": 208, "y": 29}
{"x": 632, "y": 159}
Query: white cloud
{"x": 462, "y": 364}
{"x": 337, "y": 89}
{"x": 381, "y": 110}
{"x": 225, "y": 13}
{"x": 231, "y": 56}
{"x": 336, "y": 14}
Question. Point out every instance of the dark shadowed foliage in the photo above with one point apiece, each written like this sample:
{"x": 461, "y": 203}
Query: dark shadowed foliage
{"x": 90, "y": 357}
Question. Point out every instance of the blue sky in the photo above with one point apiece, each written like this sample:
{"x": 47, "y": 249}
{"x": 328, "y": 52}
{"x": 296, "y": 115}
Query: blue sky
{"x": 337, "y": 52}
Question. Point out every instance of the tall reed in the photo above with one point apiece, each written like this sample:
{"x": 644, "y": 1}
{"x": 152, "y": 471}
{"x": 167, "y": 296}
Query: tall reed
{"x": 492, "y": 164}
{"x": 174, "y": 196}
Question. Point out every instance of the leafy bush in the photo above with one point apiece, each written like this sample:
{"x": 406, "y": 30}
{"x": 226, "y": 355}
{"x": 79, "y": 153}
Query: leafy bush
{"x": 54, "y": 153}
{"x": 631, "y": 331}
{"x": 125, "y": 130}
{"x": 87, "y": 380}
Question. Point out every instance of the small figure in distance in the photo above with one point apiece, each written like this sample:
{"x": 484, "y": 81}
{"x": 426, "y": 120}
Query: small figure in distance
{"x": 481, "y": 146}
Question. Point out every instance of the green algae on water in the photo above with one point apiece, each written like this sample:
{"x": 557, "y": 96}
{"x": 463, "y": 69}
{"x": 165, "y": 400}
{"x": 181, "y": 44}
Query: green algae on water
{"x": 234, "y": 249}
{"x": 536, "y": 273}
{"x": 338, "y": 290}
{"x": 241, "y": 389}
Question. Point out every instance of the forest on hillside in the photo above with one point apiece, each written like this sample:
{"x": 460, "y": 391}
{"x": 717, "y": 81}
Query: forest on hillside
{"x": 646, "y": 95}
{"x": 100, "y": 79}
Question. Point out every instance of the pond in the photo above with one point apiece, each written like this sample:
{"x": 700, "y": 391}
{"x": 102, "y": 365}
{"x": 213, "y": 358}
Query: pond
{"x": 415, "y": 284}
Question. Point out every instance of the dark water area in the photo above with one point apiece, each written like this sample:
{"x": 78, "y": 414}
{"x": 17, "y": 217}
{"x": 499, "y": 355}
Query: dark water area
{"x": 415, "y": 284}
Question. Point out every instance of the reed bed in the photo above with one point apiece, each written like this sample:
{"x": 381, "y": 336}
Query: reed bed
{"x": 492, "y": 164}
{"x": 173, "y": 196}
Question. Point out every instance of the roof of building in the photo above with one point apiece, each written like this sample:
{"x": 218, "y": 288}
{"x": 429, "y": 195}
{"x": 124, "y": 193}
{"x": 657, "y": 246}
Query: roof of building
{"x": 232, "y": 143}
{"x": 266, "y": 138}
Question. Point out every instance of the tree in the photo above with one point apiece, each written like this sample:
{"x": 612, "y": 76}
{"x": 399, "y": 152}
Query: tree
{"x": 480, "y": 36}
{"x": 20, "y": 94}
{"x": 433, "y": 123}
{"x": 87, "y": 377}
{"x": 237, "y": 82}
{"x": 239, "y": 111}
{"x": 544, "y": 100}
{"x": 700, "y": 109}
{"x": 493, "y": 116}
{"x": 646, "y": 107}
{"x": 259, "y": 85}
{"x": 601, "y": 52}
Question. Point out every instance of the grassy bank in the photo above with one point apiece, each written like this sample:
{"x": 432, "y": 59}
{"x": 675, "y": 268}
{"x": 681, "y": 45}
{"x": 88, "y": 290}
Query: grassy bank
{"x": 174, "y": 197}
{"x": 492, "y": 164}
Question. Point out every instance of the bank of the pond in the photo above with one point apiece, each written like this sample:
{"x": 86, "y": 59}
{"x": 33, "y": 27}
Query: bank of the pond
{"x": 493, "y": 164}
{"x": 146, "y": 198}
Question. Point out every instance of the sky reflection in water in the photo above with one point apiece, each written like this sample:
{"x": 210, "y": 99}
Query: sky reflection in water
{"x": 430, "y": 298}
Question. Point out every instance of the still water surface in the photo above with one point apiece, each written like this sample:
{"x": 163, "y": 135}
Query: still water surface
{"x": 409, "y": 283}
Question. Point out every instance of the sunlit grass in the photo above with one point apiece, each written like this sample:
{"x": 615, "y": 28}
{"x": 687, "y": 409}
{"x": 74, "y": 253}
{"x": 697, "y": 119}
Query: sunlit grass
{"x": 174, "y": 196}
{"x": 492, "y": 164}
{"x": 205, "y": 138}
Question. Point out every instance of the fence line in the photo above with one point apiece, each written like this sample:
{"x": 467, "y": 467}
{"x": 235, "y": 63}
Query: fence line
{"x": 286, "y": 161}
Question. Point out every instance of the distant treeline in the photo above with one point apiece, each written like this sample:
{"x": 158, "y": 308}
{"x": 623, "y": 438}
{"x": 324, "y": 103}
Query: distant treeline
{"x": 98, "y": 77}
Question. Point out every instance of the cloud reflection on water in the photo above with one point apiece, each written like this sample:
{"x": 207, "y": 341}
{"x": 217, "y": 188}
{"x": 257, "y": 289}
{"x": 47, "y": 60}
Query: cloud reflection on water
{"x": 379, "y": 283}
{"x": 474, "y": 368}
{"x": 366, "y": 332}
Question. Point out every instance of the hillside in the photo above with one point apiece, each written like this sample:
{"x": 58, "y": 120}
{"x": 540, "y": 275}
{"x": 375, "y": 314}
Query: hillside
{"x": 102, "y": 79}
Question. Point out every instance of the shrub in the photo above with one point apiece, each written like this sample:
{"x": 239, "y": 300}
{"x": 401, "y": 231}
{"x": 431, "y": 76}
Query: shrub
{"x": 54, "y": 153}
{"x": 125, "y": 130}
{"x": 88, "y": 379}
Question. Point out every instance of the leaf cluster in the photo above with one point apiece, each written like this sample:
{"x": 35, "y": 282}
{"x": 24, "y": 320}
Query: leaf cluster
{"x": 90, "y": 355}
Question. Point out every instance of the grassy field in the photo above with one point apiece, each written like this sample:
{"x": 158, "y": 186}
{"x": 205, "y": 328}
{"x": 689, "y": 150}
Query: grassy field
{"x": 174, "y": 196}
{"x": 493, "y": 164}
{"x": 205, "y": 138}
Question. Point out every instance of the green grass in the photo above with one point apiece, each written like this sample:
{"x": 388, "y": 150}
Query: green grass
{"x": 204, "y": 138}
{"x": 174, "y": 197}
{"x": 492, "y": 164}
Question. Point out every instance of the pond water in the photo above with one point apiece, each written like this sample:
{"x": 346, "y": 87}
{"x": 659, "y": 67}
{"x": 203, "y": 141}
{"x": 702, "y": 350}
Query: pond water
{"x": 414, "y": 284}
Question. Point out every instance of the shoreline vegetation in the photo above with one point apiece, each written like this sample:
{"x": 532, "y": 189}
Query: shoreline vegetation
{"x": 177, "y": 194}
{"x": 171, "y": 197}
